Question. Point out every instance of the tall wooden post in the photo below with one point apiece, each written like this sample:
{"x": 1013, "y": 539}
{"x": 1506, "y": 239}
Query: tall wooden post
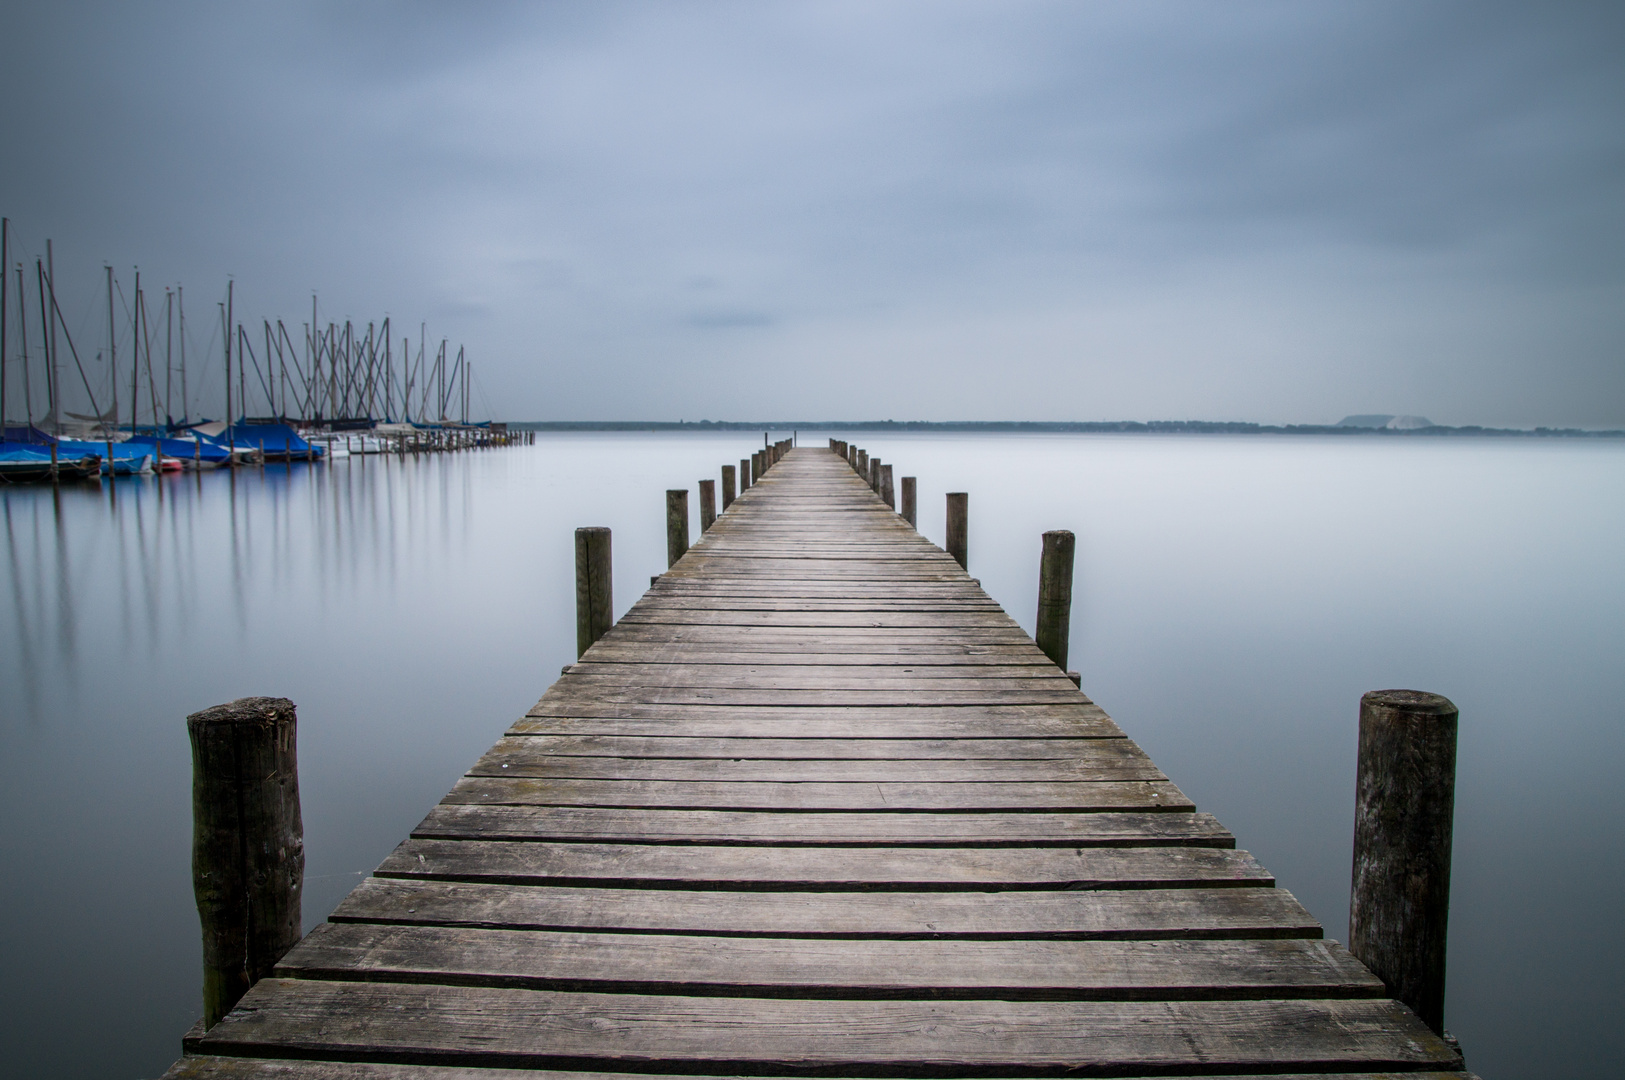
{"x": 863, "y": 464}
{"x": 727, "y": 486}
{"x": 886, "y": 493}
{"x": 744, "y": 475}
{"x": 852, "y": 456}
{"x": 595, "y": 608}
{"x": 958, "y": 515}
{"x": 248, "y": 843}
{"x": 1404, "y": 809}
{"x": 910, "y": 509}
{"x": 1055, "y": 596}
{"x": 708, "y": 504}
{"x": 676, "y": 524}
{"x": 755, "y": 466}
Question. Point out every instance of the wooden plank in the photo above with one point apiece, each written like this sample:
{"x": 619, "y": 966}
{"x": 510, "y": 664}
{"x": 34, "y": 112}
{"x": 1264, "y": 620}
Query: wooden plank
{"x": 450, "y": 821}
{"x": 1081, "y": 797}
{"x": 1111, "y": 914}
{"x": 797, "y": 868}
{"x": 432, "y": 1024}
{"x": 1097, "y": 751}
{"x": 236, "y": 1068}
{"x": 705, "y": 722}
{"x": 1046, "y": 970}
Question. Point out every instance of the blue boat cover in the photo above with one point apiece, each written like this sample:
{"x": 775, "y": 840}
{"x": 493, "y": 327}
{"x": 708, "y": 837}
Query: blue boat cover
{"x": 277, "y": 439}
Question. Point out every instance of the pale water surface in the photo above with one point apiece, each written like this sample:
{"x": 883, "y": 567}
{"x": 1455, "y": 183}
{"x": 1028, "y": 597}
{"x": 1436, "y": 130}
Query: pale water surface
{"x": 1235, "y": 596}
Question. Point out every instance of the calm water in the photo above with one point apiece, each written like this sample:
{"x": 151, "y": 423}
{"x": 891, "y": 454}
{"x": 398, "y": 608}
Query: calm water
{"x": 1234, "y": 598}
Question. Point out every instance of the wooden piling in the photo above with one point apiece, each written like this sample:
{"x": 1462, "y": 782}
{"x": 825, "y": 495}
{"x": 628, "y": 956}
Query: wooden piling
{"x": 755, "y": 466}
{"x": 958, "y": 515}
{"x": 708, "y": 504}
{"x": 744, "y": 475}
{"x": 910, "y": 495}
{"x": 1055, "y": 595}
{"x": 1404, "y": 807}
{"x": 863, "y": 464}
{"x": 676, "y": 524}
{"x": 727, "y": 486}
{"x": 248, "y": 846}
{"x": 887, "y": 495}
{"x": 595, "y": 610}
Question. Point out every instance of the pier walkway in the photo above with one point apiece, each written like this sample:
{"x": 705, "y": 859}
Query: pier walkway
{"x": 816, "y": 806}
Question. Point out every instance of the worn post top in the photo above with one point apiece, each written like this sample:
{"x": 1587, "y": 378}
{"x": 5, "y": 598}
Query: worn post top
{"x": 816, "y": 805}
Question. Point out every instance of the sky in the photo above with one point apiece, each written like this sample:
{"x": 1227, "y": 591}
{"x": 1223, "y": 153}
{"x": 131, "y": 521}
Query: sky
{"x": 1277, "y": 212}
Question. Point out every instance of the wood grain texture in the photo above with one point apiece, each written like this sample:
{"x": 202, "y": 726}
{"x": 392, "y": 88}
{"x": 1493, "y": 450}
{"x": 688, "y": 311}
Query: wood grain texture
{"x": 816, "y": 806}
{"x": 498, "y": 1026}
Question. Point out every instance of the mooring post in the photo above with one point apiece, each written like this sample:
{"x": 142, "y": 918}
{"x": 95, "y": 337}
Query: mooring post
{"x": 863, "y": 464}
{"x": 676, "y": 524}
{"x": 594, "y": 581}
{"x": 958, "y": 511}
{"x": 708, "y": 504}
{"x": 727, "y": 486}
{"x": 248, "y": 843}
{"x": 886, "y": 492}
{"x": 852, "y": 456}
{"x": 756, "y": 466}
{"x": 1055, "y": 596}
{"x": 744, "y": 475}
{"x": 1404, "y": 808}
{"x": 874, "y": 475}
{"x": 910, "y": 505}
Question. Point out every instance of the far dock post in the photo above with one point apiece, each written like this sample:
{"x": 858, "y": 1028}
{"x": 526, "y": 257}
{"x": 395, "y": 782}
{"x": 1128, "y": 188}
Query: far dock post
{"x": 910, "y": 510}
{"x": 1404, "y": 810}
{"x": 594, "y": 586}
{"x": 676, "y": 524}
{"x": 248, "y": 844}
{"x": 727, "y": 486}
{"x": 708, "y": 504}
{"x": 957, "y": 543}
{"x": 1055, "y": 596}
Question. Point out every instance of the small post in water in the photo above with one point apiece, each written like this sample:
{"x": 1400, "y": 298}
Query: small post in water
{"x": 1404, "y": 809}
{"x": 676, "y": 524}
{"x": 248, "y": 843}
{"x": 887, "y": 494}
{"x": 1055, "y": 595}
{"x": 910, "y": 509}
{"x": 727, "y": 486}
{"x": 958, "y": 513}
{"x": 595, "y": 608}
{"x": 708, "y": 504}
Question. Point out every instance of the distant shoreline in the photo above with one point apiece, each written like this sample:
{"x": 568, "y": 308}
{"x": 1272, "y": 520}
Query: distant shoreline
{"x": 1086, "y": 427}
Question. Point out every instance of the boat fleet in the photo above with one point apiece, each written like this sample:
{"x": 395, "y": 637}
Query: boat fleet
{"x": 346, "y": 391}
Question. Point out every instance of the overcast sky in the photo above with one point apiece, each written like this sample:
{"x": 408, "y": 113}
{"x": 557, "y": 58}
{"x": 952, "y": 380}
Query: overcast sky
{"x": 1283, "y": 212}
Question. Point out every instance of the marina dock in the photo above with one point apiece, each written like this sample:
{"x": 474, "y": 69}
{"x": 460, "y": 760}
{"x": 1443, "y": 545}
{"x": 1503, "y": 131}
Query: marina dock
{"x": 816, "y": 806}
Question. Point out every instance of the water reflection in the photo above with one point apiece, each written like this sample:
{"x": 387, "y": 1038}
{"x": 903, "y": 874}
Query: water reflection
{"x": 1234, "y": 598}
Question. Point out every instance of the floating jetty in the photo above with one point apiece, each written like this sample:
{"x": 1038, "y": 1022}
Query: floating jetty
{"x": 815, "y": 806}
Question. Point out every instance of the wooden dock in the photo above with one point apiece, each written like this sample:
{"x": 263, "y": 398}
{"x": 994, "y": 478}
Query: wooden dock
{"x": 816, "y": 806}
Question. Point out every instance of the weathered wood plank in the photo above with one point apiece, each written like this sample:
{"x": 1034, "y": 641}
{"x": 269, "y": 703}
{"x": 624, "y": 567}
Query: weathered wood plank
{"x": 451, "y": 821}
{"x": 1045, "y": 970}
{"x": 236, "y": 1068}
{"x": 1080, "y": 797}
{"x": 1111, "y": 914}
{"x": 1097, "y": 751}
{"x": 796, "y": 868}
{"x": 706, "y": 722}
{"x": 432, "y": 1024}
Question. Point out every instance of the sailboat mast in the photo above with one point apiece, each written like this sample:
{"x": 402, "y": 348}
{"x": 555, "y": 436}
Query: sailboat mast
{"x": 45, "y": 338}
{"x": 5, "y": 261}
{"x": 169, "y": 346}
{"x": 180, "y": 307}
{"x": 135, "y": 355}
{"x": 225, "y": 334}
{"x": 51, "y": 375}
{"x": 112, "y": 343}
{"x": 22, "y": 333}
